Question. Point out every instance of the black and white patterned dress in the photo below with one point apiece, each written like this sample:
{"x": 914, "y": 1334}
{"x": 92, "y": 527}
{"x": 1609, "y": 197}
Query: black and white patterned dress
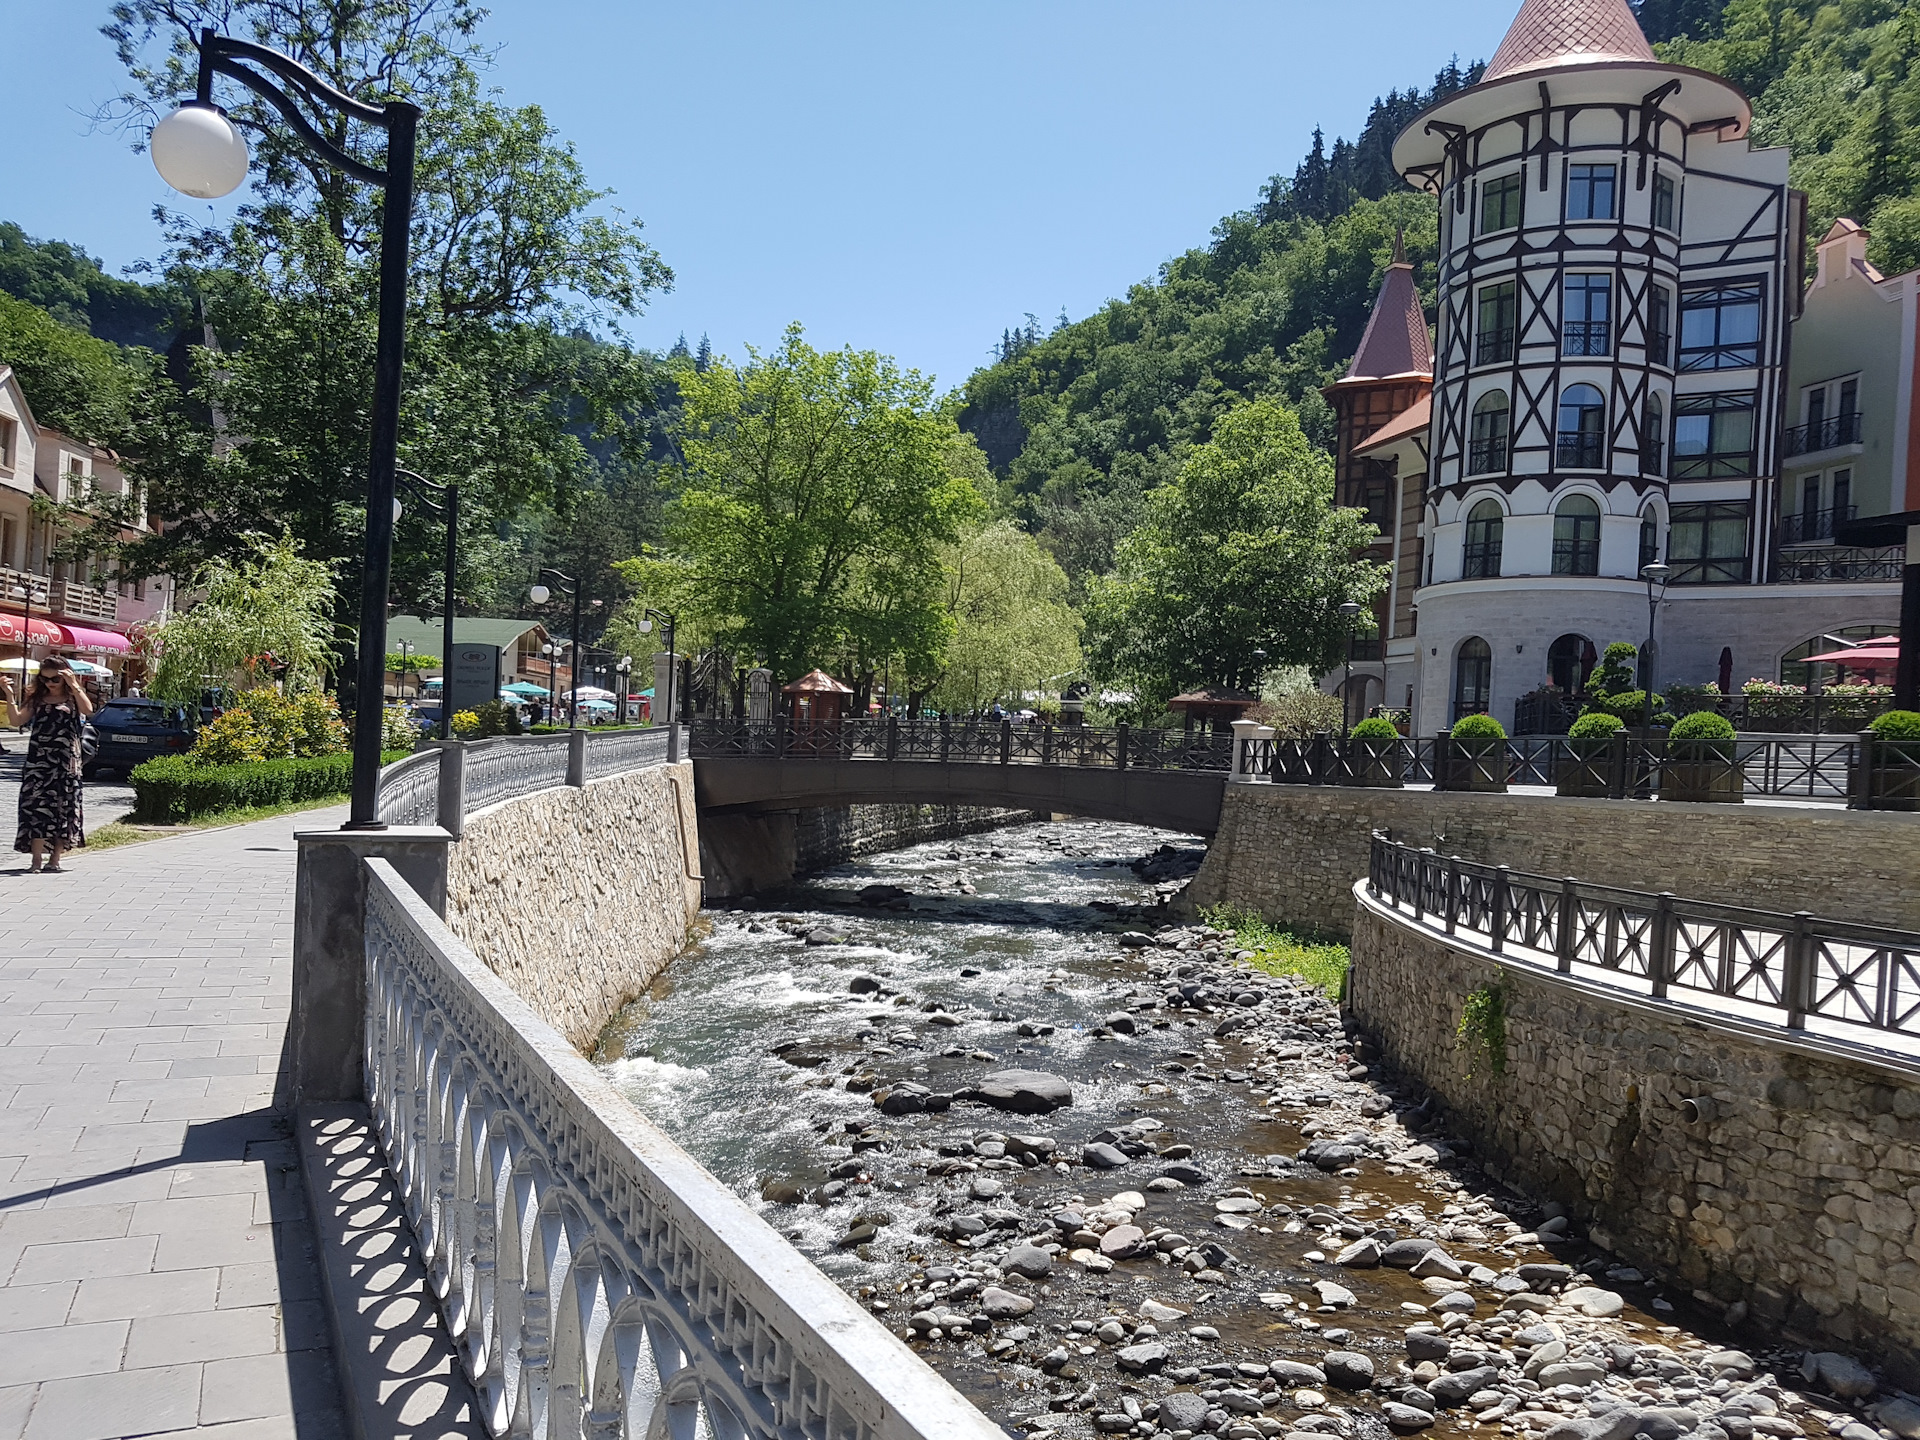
{"x": 50, "y": 784}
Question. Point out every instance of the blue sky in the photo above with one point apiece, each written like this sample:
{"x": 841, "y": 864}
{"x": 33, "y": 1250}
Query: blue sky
{"x": 909, "y": 177}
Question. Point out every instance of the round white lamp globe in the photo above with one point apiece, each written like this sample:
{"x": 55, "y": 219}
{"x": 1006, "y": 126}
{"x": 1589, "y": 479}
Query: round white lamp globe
{"x": 538, "y": 594}
{"x": 198, "y": 152}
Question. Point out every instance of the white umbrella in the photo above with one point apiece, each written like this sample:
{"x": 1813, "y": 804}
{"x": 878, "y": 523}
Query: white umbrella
{"x": 590, "y": 692}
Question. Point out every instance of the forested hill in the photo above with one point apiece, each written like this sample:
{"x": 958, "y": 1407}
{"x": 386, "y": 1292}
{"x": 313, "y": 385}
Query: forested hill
{"x": 1080, "y": 422}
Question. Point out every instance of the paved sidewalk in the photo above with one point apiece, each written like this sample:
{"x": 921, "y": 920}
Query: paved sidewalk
{"x": 158, "y": 1264}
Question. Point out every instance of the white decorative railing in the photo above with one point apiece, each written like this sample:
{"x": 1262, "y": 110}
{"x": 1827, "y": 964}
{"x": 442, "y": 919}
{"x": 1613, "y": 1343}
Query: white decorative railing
{"x": 409, "y": 792}
{"x": 508, "y": 767}
{"x": 597, "y": 1281}
{"x": 622, "y": 750}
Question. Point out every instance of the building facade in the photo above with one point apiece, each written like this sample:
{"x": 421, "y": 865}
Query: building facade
{"x": 1619, "y": 294}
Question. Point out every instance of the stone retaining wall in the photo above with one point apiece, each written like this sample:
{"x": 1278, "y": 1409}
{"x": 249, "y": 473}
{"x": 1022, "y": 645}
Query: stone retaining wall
{"x": 1292, "y": 852}
{"x": 1796, "y": 1197}
{"x": 577, "y": 898}
{"x": 825, "y": 838}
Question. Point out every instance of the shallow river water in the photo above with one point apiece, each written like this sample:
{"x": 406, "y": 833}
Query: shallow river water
{"x": 764, "y": 1048}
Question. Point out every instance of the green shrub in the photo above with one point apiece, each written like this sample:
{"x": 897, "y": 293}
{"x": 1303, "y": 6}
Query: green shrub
{"x": 1615, "y": 673}
{"x": 1321, "y": 963}
{"x": 1376, "y": 727}
{"x": 1627, "y": 706}
{"x": 398, "y": 729}
{"x": 466, "y": 725}
{"x": 1596, "y": 725}
{"x": 266, "y": 725}
{"x": 173, "y": 789}
{"x": 1478, "y": 727}
{"x": 1897, "y": 725}
{"x": 1702, "y": 725}
{"x": 483, "y": 722}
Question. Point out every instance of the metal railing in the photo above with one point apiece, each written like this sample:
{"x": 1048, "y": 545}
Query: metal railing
{"x": 1861, "y": 980}
{"x": 1833, "y": 711}
{"x": 445, "y": 784}
{"x": 621, "y": 750}
{"x": 1825, "y": 435}
{"x": 1118, "y": 747}
{"x": 409, "y": 792}
{"x": 1813, "y": 567}
{"x": 1806, "y": 526}
{"x": 1862, "y": 772}
{"x": 1576, "y": 450}
{"x": 594, "y": 1278}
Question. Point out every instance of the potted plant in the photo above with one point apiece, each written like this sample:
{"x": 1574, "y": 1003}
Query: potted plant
{"x": 1584, "y": 767}
{"x": 1887, "y": 774}
{"x": 1700, "y": 764}
{"x": 1375, "y": 756}
{"x": 1473, "y": 756}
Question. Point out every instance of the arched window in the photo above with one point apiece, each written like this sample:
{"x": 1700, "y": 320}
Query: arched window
{"x": 1491, "y": 416}
{"x": 1485, "y": 522}
{"x": 1576, "y": 537}
{"x": 1570, "y": 659}
{"x": 1650, "y": 540}
{"x": 1472, "y": 678}
{"x": 1653, "y": 437}
{"x": 1583, "y": 428}
{"x": 1794, "y": 669}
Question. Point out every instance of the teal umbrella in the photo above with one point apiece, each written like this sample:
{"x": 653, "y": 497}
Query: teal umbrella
{"x": 524, "y": 687}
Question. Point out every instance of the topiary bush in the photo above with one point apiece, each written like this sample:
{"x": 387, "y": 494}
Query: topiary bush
{"x": 1596, "y": 725}
{"x": 1628, "y": 706}
{"x": 1374, "y": 727}
{"x": 1478, "y": 727}
{"x": 1703, "y": 730}
{"x": 1615, "y": 672}
{"x": 1897, "y": 725}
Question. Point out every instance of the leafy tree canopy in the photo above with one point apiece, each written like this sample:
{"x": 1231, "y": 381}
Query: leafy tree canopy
{"x": 69, "y": 284}
{"x": 819, "y": 490}
{"x": 73, "y": 382}
{"x": 1243, "y": 551}
{"x": 264, "y": 618}
{"x": 1013, "y": 631}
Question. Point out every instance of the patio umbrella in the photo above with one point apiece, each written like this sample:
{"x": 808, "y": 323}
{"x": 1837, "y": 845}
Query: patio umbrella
{"x": 591, "y": 692}
{"x": 523, "y": 687}
{"x": 596, "y": 705}
{"x": 1874, "y": 656}
{"x": 1726, "y": 669}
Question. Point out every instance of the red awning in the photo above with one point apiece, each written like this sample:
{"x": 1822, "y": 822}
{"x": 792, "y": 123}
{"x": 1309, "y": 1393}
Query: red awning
{"x": 44, "y": 632}
{"x": 83, "y": 637}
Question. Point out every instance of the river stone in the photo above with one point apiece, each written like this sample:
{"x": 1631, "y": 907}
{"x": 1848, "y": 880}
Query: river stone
{"x": 1455, "y": 1388}
{"x": 1134, "y": 940}
{"x": 1405, "y": 1254}
{"x": 1141, "y": 1359}
{"x": 1743, "y": 1367}
{"x": 1102, "y": 1156}
{"x": 1427, "y": 1345}
{"x": 1900, "y": 1416}
{"x": 1438, "y": 1262}
{"x": 863, "y": 985}
{"x": 1131, "y": 1201}
{"x": 783, "y": 1192}
{"x": 1121, "y": 1241}
{"x": 1542, "y": 1277}
{"x": 1120, "y": 1023}
{"x": 1160, "y": 1314}
{"x": 1841, "y": 1374}
{"x": 1237, "y": 1205}
{"x": 1186, "y": 1174}
{"x": 1404, "y": 1419}
{"x": 1183, "y": 1410}
{"x": 1025, "y": 1092}
{"x": 1347, "y": 1369}
{"x": 1003, "y": 1304}
{"x": 1621, "y": 1424}
{"x": 1665, "y": 1422}
{"x": 1337, "y": 1296}
{"x": 1572, "y": 1372}
{"x": 1360, "y": 1255}
{"x": 1028, "y": 1260}
{"x": 1547, "y": 1352}
{"x": 1592, "y": 1300}
{"x": 903, "y": 1099}
{"x": 1294, "y": 1373}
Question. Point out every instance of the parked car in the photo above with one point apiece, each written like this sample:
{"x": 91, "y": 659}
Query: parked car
{"x": 133, "y": 729}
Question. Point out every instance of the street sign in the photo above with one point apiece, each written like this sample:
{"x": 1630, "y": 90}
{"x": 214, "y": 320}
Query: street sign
{"x": 473, "y": 676}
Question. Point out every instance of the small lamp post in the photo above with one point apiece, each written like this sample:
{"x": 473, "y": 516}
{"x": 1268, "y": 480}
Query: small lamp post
{"x": 1655, "y": 573}
{"x": 540, "y": 594}
{"x": 1349, "y": 612}
{"x": 673, "y": 659}
{"x": 621, "y": 672}
{"x": 199, "y": 152}
{"x": 552, "y": 652}
{"x": 406, "y": 652}
{"x": 447, "y": 507}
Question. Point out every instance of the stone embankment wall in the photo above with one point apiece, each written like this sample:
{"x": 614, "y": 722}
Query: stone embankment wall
{"x": 1292, "y": 852}
{"x": 1795, "y": 1195}
{"x": 742, "y": 853}
{"x": 577, "y": 898}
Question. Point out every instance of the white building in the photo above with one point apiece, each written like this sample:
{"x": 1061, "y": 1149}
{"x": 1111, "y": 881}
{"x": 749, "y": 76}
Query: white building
{"x": 1619, "y": 273}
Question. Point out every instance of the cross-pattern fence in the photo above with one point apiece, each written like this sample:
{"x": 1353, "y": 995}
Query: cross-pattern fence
{"x": 1847, "y": 978}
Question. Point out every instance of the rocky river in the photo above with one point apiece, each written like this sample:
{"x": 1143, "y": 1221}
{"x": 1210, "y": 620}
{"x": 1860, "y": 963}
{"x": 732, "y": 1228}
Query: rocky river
{"x": 1109, "y": 1178}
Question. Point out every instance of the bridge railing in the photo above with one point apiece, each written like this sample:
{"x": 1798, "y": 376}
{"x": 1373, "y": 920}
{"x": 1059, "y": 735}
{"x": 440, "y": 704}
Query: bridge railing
{"x": 594, "y": 1278}
{"x": 409, "y": 791}
{"x": 1118, "y": 747}
{"x": 1864, "y": 771}
{"x": 1800, "y": 970}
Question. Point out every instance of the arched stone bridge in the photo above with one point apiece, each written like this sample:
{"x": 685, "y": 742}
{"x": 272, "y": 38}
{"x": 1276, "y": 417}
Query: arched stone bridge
{"x": 1145, "y": 777}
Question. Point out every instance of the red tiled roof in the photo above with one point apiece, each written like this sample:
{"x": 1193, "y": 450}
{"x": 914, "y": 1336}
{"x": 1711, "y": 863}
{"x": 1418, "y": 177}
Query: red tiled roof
{"x": 1569, "y": 32}
{"x": 1411, "y": 421}
{"x": 1395, "y": 342}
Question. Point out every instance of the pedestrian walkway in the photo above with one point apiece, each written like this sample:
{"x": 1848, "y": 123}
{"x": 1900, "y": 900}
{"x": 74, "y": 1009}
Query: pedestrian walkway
{"x": 159, "y": 1268}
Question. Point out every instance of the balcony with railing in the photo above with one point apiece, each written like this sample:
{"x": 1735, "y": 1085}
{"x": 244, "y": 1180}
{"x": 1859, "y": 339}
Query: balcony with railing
{"x": 1586, "y": 337}
{"x": 1839, "y": 563}
{"x": 17, "y": 587}
{"x": 1494, "y": 346}
{"x": 1578, "y": 450}
{"x": 1486, "y": 457}
{"x": 1828, "y": 434}
{"x": 1810, "y": 527}
{"x": 84, "y": 602}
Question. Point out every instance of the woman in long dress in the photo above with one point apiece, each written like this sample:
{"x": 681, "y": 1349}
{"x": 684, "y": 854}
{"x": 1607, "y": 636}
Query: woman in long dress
{"x": 54, "y": 714}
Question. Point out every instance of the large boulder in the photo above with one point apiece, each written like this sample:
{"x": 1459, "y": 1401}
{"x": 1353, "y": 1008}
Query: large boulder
{"x": 1024, "y": 1092}
{"x": 1183, "y": 1410}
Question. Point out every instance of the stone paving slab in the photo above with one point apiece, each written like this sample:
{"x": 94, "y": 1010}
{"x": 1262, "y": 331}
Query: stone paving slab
{"x": 158, "y": 1268}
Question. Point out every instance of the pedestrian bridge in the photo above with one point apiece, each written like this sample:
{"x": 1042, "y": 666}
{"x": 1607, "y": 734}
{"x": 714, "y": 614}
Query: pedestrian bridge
{"x": 1165, "y": 779}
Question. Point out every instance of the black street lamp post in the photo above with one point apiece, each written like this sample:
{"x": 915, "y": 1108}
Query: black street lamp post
{"x": 198, "y": 151}
{"x": 1654, "y": 574}
{"x": 447, "y": 507}
{"x": 621, "y": 673}
{"x": 552, "y": 651}
{"x": 673, "y": 657}
{"x": 540, "y": 593}
{"x": 1349, "y": 612}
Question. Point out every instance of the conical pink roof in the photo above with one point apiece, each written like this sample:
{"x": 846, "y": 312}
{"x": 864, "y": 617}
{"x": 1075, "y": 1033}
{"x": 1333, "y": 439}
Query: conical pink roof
{"x": 1396, "y": 340}
{"x": 1569, "y": 32}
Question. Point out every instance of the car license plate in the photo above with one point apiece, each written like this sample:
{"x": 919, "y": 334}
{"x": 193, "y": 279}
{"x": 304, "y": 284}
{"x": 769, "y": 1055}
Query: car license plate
{"x": 130, "y": 739}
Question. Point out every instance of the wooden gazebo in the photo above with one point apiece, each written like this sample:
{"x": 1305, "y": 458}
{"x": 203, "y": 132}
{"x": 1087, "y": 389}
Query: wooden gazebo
{"x": 817, "y": 698}
{"x": 1213, "y": 708}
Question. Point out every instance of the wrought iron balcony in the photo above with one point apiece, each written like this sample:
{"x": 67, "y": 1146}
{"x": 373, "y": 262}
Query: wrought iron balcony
{"x": 1578, "y": 451}
{"x": 1494, "y": 346}
{"x": 1840, "y": 563}
{"x": 1813, "y": 525}
{"x": 1485, "y": 457}
{"x": 1834, "y": 431}
{"x": 1586, "y": 337}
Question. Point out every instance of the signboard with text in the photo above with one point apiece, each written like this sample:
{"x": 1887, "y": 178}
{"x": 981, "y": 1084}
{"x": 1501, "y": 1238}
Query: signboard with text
{"x": 473, "y": 676}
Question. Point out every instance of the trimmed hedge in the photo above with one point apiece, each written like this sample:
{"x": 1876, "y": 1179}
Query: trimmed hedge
{"x": 1478, "y": 727}
{"x": 1595, "y": 725}
{"x": 171, "y": 789}
{"x": 1897, "y": 725}
{"x": 1374, "y": 727}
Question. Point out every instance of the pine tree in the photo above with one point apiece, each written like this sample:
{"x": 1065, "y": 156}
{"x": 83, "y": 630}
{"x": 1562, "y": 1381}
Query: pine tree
{"x": 703, "y": 357}
{"x": 679, "y": 350}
